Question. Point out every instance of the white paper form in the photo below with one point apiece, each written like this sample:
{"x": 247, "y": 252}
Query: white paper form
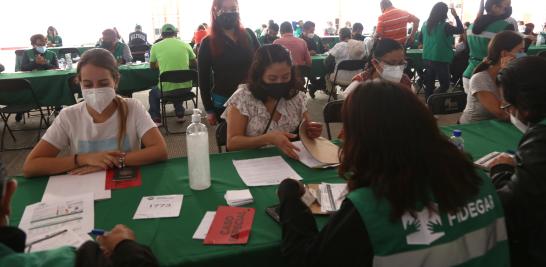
{"x": 264, "y": 171}
{"x": 62, "y": 186}
{"x": 167, "y": 206}
{"x": 56, "y": 240}
{"x": 204, "y": 226}
{"x": 76, "y": 213}
{"x": 331, "y": 196}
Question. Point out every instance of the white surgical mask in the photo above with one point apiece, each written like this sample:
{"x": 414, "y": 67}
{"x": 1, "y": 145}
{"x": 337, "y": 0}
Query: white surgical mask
{"x": 393, "y": 73}
{"x": 98, "y": 98}
{"x": 518, "y": 123}
{"x": 310, "y": 35}
{"x": 41, "y": 49}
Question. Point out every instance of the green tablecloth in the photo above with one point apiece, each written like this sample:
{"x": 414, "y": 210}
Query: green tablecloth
{"x": 318, "y": 69}
{"x": 52, "y": 89}
{"x": 19, "y": 54}
{"x": 171, "y": 239}
{"x": 535, "y": 50}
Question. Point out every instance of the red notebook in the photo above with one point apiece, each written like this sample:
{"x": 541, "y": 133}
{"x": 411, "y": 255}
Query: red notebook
{"x": 231, "y": 225}
{"x": 123, "y": 178}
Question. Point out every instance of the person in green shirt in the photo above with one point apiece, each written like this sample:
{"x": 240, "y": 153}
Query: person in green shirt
{"x": 168, "y": 55}
{"x": 115, "y": 248}
{"x": 438, "y": 45}
{"x": 111, "y": 42}
{"x": 53, "y": 38}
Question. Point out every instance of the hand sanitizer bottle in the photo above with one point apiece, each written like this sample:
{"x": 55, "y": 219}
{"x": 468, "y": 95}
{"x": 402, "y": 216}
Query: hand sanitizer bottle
{"x": 197, "y": 140}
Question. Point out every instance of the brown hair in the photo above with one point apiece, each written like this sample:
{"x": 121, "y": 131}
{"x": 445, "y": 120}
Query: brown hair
{"x": 37, "y": 37}
{"x": 102, "y": 58}
{"x": 503, "y": 41}
{"x": 217, "y": 35}
{"x": 398, "y": 151}
{"x": 264, "y": 57}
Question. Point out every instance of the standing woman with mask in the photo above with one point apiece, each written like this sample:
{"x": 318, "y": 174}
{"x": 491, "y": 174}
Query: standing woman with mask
{"x": 388, "y": 63}
{"x": 268, "y": 109}
{"x": 482, "y": 31}
{"x": 521, "y": 180}
{"x": 438, "y": 47}
{"x": 484, "y": 99}
{"x": 224, "y": 57}
{"x": 105, "y": 131}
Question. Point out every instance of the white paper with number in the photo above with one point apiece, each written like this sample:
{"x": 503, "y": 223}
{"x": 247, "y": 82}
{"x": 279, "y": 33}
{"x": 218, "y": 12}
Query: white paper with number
{"x": 159, "y": 207}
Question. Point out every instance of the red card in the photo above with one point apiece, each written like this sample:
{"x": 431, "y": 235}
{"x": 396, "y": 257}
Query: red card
{"x": 231, "y": 225}
{"x": 123, "y": 178}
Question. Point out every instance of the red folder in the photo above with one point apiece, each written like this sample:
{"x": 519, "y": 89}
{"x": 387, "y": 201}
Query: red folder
{"x": 115, "y": 183}
{"x": 231, "y": 225}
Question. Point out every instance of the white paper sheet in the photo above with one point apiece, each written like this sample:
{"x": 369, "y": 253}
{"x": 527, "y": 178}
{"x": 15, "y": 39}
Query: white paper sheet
{"x": 76, "y": 213}
{"x": 62, "y": 186}
{"x": 334, "y": 196}
{"x": 305, "y": 157}
{"x": 204, "y": 226}
{"x": 264, "y": 171}
{"x": 238, "y": 197}
{"x": 159, "y": 207}
{"x": 68, "y": 238}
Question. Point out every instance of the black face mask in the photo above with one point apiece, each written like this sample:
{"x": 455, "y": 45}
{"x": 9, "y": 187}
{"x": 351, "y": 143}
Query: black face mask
{"x": 228, "y": 21}
{"x": 276, "y": 90}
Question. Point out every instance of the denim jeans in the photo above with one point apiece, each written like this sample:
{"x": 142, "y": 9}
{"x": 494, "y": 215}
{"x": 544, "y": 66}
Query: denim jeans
{"x": 435, "y": 70}
{"x": 155, "y": 105}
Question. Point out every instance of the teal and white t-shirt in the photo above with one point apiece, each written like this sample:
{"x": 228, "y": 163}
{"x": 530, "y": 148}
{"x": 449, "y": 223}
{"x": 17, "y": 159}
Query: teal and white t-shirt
{"x": 74, "y": 129}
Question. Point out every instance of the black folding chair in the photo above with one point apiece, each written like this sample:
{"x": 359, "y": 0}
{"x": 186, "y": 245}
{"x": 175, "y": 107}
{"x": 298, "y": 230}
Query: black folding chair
{"x": 138, "y": 52}
{"x": 346, "y": 65}
{"x": 177, "y": 95}
{"x": 221, "y": 136}
{"x": 74, "y": 53}
{"x": 447, "y": 103}
{"x": 17, "y": 96}
{"x": 332, "y": 114}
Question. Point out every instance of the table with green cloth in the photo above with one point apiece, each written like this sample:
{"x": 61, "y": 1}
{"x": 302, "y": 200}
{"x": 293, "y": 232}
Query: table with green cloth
{"x": 318, "y": 69}
{"x": 19, "y": 53}
{"x": 330, "y": 41}
{"x": 415, "y": 58}
{"x": 536, "y": 49}
{"x": 52, "y": 86}
{"x": 171, "y": 239}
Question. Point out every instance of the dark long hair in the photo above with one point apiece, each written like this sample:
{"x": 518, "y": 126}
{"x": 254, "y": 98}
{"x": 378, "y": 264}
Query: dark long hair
{"x": 102, "y": 58}
{"x": 523, "y": 84}
{"x": 438, "y": 14}
{"x": 217, "y": 33}
{"x": 264, "y": 57}
{"x": 503, "y": 41}
{"x": 398, "y": 151}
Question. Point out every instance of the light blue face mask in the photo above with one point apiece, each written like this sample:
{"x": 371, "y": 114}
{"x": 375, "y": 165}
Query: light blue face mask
{"x": 521, "y": 54}
{"x": 41, "y": 49}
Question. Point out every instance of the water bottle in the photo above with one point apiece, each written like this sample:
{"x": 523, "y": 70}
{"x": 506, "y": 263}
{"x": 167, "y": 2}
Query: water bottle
{"x": 147, "y": 57}
{"x": 68, "y": 59}
{"x": 457, "y": 139}
{"x": 197, "y": 140}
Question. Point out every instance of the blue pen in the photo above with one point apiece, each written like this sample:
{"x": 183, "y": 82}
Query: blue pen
{"x": 97, "y": 232}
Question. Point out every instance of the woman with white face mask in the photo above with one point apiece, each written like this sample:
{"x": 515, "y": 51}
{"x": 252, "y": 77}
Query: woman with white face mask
{"x": 521, "y": 180}
{"x": 105, "y": 131}
{"x": 388, "y": 63}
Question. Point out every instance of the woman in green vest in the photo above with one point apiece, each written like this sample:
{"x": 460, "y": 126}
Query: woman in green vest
{"x": 520, "y": 180}
{"x": 413, "y": 198}
{"x": 438, "y": 44}
{"x": 53, "y": 38}
{"x": 483, "y": 30}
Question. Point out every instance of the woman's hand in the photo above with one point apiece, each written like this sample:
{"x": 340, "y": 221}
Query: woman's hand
{"x": 85, "y": 170}
{"x": 506, "y": 60}
{"x": 282, "y": 141}
{"x": 211, "y": 118}
{"x": 103, "y": 160}
{"x": 110, "y": 240}
{"x": 313, "y": 129}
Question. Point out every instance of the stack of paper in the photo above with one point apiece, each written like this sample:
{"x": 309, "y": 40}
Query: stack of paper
{"x": 238, "y": 197}
{"x": 64, "y": 186}
{"x": 308, "y": 160}
{"x": 264, "y": 171}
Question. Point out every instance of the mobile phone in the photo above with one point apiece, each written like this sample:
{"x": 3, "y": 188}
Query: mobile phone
{"x": 273, "y": 212}
{"x": 125, "y": 173}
